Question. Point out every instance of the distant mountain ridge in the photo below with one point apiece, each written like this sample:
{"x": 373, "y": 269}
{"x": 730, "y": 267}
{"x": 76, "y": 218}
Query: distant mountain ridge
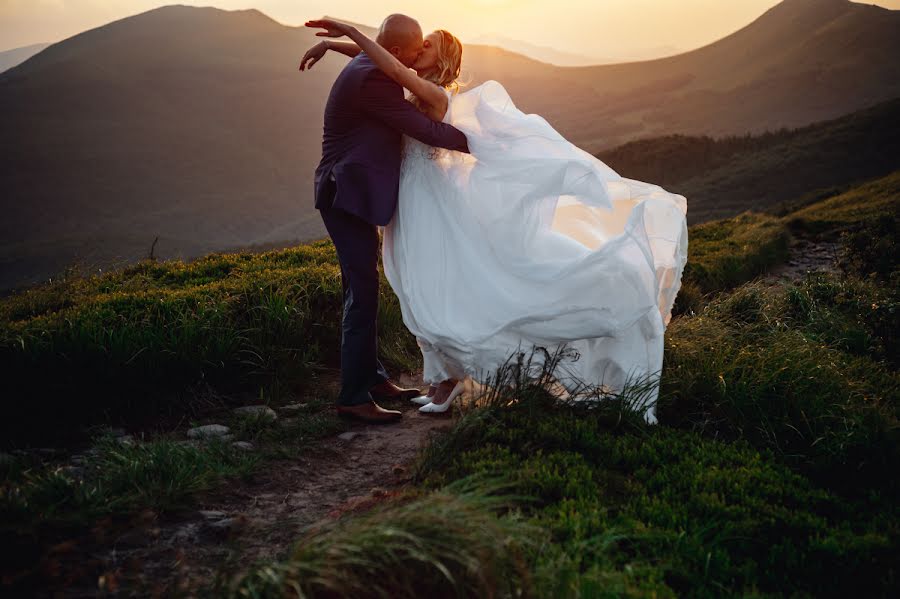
{"x": 16, "y": 56}
{"x": 722, "y": 177}
{"x": 193, "y": 124}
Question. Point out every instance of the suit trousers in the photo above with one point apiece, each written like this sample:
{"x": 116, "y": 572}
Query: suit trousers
{"x": 356, "y": 241}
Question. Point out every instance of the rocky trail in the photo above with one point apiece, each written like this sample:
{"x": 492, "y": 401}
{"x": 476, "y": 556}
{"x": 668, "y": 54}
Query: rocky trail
{"x": 242, "y": 522}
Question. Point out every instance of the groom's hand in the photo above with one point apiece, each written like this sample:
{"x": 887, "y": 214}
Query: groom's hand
{"x": 332, "y": 28}
{"x": 313, "y": 55}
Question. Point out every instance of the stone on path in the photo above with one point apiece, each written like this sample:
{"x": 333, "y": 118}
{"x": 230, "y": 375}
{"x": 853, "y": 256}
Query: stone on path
{"x": 264, "y": 412}
{"x": 209, "y": 431}
{"x": 348, "y": 436}
{"x": 245, "y": 445}
{"x": 213, "y": 515}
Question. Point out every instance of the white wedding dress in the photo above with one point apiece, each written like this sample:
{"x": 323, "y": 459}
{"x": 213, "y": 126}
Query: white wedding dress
{"x": 531, "y": 242}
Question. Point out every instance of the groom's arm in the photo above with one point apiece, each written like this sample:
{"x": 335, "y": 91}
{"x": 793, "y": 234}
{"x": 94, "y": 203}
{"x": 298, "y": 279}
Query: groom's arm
{"x": 383, "y": 99}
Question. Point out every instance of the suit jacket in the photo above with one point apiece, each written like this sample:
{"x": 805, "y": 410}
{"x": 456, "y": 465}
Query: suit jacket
{"x": 365, "y": 116}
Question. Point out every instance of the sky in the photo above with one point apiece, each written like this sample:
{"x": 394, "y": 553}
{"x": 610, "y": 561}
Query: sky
{"x": 596, "y": 28}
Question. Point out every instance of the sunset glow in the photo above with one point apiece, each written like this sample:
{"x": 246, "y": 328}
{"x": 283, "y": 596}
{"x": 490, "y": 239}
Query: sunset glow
{"x": 599, "y": 30}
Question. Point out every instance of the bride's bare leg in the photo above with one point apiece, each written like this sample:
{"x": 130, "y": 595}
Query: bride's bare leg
{"x": 432, "y": 390}
{"x": 443, "y": 391}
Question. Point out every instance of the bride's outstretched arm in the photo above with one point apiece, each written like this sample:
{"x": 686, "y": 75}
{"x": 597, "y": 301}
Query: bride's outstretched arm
{"x": 426, "y": 91}
{"x": 315, "y": 54}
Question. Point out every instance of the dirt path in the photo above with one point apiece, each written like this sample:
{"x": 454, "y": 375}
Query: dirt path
{"x": 807, "y": 256}
{"x": 261, "y": 519}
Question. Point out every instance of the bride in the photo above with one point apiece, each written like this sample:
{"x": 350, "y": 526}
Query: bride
{"x": 526, "y": 242}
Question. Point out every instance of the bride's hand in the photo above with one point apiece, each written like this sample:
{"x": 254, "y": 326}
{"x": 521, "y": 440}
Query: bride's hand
{"x": 332, "y": 28}
{"x": 313, "y": 55}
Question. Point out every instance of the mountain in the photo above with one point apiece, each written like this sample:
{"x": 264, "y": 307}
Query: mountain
{"x": 194, "y": 126}
{"x": 768, "y": 172}
{"x": 16, "y": 56}
{"x": 541, "y": 53}
{"x": 801, "y": 62}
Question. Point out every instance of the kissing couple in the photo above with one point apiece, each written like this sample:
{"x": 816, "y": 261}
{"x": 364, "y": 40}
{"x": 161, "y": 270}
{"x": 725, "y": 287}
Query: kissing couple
{"x": 499, "y": 234}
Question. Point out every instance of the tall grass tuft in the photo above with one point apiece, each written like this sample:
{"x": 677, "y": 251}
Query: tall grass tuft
{"x": 447, "y": 543}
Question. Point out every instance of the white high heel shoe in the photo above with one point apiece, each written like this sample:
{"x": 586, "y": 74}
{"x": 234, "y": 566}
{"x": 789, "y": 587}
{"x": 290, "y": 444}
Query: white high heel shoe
{"x": 433, "y": 408}
{"x": 424, "y": 399}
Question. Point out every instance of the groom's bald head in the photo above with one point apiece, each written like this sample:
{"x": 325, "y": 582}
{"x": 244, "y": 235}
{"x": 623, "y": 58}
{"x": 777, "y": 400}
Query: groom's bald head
{"x": 401, "y": 36}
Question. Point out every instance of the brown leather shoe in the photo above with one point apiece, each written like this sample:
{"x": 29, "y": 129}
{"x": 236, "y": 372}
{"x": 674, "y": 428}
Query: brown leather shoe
{"x": 388, "y": 390}
{"x": 369, "y": 412}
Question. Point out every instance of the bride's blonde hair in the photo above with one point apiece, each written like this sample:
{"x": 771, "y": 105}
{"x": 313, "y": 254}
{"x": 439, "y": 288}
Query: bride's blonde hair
{"x": 449, "y": 63}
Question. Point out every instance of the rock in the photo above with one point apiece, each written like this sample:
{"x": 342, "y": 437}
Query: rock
{"x": 213, "y": 515}
{"x": 294, "y": 407}
{"x": 348, "y": 436}
{"x": 288, "y": 422}
{"x": 225, "y": 527}
{"x": 264, "y": 412}
{"x": 209, "y": 431}
{"x": 187, "y": 534}
{"x": 245, "y": 445}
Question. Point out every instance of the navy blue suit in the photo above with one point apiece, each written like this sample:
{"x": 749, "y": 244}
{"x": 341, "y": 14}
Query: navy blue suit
{"x": 356, "y": 188}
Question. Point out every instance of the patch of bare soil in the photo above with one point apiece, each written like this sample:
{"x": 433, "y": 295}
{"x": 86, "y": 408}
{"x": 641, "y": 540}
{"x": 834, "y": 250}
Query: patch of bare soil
{"x": 261, "y": 519}
{"x": 807, "y": 256}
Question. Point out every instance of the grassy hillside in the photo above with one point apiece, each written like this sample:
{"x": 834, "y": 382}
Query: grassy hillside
{"x": 723, "y": 177}
{"x": 771, "y": 471}
{"x": 135, "y": 342}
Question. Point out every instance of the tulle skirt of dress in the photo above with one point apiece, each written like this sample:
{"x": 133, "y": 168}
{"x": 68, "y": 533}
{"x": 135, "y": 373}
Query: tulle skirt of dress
{"x": 531, "y": 242}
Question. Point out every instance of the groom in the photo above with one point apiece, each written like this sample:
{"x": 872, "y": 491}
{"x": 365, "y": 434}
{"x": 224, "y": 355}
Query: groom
{"x": 356, "y": 189}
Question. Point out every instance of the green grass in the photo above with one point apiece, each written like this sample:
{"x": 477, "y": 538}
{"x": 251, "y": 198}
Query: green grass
{"x": 134, "y": 342}
{"x": 848, "y": 211}
{"x": 447, "y": 543}
{"x": 116, "y": 479}
{"x": 611, "y": 507}
{"x": 771, "y": 472}
{"x": 723, "y": 254}
{"x": 799, "y": 371}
